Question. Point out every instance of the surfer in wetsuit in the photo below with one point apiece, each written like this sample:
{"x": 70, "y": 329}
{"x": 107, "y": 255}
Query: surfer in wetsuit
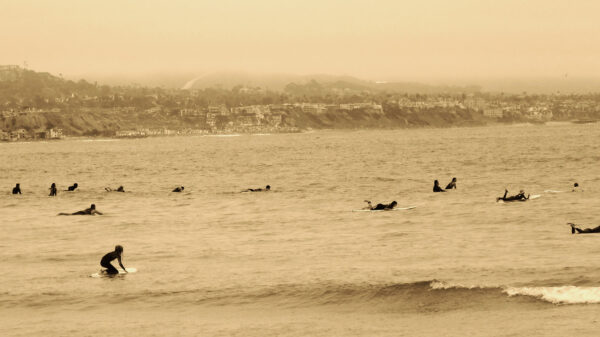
{"x": 519, "y": 197}
{"x": 178, "y": 189}
{"x": 106, "y": 259}
{"x": 120, "y": 189}
{"x": 452, "y": 184}
{"x": 52, "y": 190}
{"x": 72, "y": 188}
{"x": 266, "y": 189}
{"x": 17, "y": 189}
{"x": 88, "y": 211}
{"x": 576, "y": 188}
{"x": 436, "y": 187}
{"x": 575, "y": 228}
{"x": 381, "y": 207}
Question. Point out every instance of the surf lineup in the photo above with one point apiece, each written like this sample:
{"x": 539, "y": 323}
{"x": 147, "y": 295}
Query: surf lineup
{"x": 116, "y": 254}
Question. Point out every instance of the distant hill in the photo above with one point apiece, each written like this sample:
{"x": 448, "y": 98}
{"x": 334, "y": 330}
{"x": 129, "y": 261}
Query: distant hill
{"x": 279, "y": 82}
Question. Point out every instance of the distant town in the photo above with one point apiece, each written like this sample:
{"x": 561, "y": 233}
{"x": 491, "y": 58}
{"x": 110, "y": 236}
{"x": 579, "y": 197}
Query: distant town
{"x": 45, "y": 107}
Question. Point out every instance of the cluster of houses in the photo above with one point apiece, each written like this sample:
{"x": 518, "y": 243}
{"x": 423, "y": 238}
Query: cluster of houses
{"x": 538, "y": 110}
{"x": 265, "y": 116}
{"x": 22, "y": 134}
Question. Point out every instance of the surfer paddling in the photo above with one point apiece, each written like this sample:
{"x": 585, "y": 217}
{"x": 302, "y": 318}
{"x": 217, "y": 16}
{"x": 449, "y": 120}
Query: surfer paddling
{"x": 266, "y": 189}
{"x": 88, "y": 211}
{"x": 120, "y": 189}
{"x": 178, "y": 189}
{"x": 106, "y": 259}
{"x": 518, "y": 197}
{"x": 575, "y": 229}
{"x": 381, "y": 207}
{"x": 16, "y": 189}
{"x": 72, "y": 188}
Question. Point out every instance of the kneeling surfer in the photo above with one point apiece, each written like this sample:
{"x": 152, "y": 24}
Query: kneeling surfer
{"x": 106, "y": 259}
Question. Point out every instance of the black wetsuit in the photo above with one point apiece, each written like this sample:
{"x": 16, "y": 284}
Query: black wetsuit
{"x": 437, "y": 188}
{"x": 105, "y": 262}
{"x": 518, "y": 197}
{"x": 585, "y": 231}
{"x": 72, "y": 188}
{"x": 52, "y": 191}
{"x": 16, "y": 190}
{"x": 178, "y": 189}
{"x": 451, "y": 185}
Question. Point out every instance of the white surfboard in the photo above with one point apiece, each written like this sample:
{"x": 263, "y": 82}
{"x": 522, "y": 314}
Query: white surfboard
{"x": 385, "y": 210}
{"x": 102, "y": 273}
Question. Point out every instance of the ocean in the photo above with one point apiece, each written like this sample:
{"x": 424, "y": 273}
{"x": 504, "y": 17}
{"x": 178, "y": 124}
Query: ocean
{"x": 297, "y": 261}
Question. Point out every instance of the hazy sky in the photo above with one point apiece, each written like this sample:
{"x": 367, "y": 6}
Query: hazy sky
{"x": 386, "y": 39}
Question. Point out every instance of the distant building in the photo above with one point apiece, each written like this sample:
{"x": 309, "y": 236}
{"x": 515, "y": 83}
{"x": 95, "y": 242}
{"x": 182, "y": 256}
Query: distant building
{"x": 493, "y": 112}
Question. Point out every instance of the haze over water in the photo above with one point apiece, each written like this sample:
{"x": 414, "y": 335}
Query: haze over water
{"x": 297, "y": 261}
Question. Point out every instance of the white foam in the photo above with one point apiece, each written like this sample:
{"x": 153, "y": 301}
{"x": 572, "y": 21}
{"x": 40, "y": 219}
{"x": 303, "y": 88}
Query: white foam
{"x": 559, "y": 295}
{"x": 439, "y": 285}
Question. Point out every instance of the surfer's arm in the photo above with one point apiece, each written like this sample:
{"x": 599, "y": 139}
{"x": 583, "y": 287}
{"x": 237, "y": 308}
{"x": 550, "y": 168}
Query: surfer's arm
{"x": 121, "y": 264}
{"x": 96, "y": 212}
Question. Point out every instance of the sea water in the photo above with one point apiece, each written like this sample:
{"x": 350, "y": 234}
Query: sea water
{"x": 296, "y": 261}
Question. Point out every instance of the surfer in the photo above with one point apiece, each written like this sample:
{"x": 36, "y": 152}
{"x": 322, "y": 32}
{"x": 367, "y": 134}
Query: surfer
{"x": 106, "y": 259}
{"x": 120, "y": 189}
{"x": 575, "y": 228}
{"x": 381, "y": 207}
{"x": 88, "y": 211}
{"x": 266, "y": 189}
{"x": 436, "y": 186}
{"x": 576, "y": 188}
{"x": 52, "y": 190}
{"x": 452, "y": 184}
{"x": 72, "y": 188}
{"x": 178, "y": 189}
{"x": 518, "y": 197}
{"x": 17, "y": 189}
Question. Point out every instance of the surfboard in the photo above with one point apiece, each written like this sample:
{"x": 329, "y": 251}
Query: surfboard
{"x": 385, "y": 210}
{"x": 102, "y": 273}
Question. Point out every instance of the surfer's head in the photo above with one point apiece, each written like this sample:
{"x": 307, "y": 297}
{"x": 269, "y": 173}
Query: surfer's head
{"x": 576, "y": 185}
{"x": 394, "y": 203}
{"x": 119, "y": 249}
{"x": 18, "y": 184}
{"x": 268, "y": 187}
{"x": 93, "y": 206}
{"x": 435, "y": 182}
{"x": 75, "y": 185}
{"x": 53, "y": 185}
{"x": 454, "y": 179}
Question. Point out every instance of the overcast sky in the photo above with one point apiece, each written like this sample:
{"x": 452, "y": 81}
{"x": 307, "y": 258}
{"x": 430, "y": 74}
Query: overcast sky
{"x": 378, "y": 40}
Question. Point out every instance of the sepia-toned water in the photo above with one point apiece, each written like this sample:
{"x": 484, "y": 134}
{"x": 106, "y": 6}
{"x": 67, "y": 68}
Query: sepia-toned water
{"x": 296, "y": 261}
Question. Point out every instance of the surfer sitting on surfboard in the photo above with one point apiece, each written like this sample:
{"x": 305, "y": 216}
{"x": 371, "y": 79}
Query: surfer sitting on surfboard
{"x": 519, "y": 197}
{"x": 106, "y": 259}
{"x": 178, "y": 189}
{"x": 452, "y": 184}
{"x": 436, "y": 186}
{"x": 574, "y": 227}
{"x": 88, "y": 211}
{"x": 380, "y": 207}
